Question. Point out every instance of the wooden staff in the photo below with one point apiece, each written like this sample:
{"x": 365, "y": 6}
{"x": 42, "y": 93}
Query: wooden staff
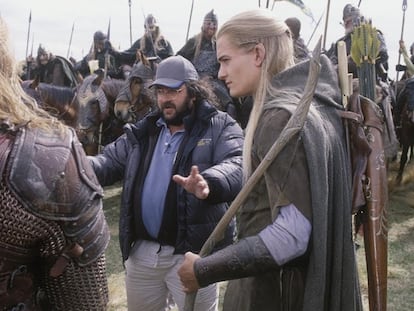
{"x": 294, "y": 125}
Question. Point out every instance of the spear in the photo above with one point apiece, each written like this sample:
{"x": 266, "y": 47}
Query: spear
{"x": 130, "y": 23}
{"x": 108, "y": 36}
{"x": 28, "y": 32}
{"x": 404, "y": 8}
{"x": 31, "y": 51}
{"x": 326, "y": 23}
{"x": 189, "y": 20}
{"x": 294, "y": 125}
{"x": 70, "y": 40}
{"x": 27, "y": 44}
{"x": 314, "y": 30}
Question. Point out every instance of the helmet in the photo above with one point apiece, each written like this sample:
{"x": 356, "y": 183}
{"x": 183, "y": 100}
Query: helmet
{"x": 211, "y": 16}
{"x": 350, "y": 12}
{"x": 99, "y": 36}
{"x": 294, "y": 26}
{"x": 150, "y": 21}
{"x": 42, "y": 50}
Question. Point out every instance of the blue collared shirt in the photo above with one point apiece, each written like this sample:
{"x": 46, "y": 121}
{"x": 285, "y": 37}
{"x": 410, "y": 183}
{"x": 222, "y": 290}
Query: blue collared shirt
{"x": 158, "y": 178}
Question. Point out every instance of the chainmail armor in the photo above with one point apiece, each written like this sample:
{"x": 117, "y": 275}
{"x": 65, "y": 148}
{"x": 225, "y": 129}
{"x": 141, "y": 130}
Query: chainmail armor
{"x": 76, "y": 289}
{"x": 51, "y": 255}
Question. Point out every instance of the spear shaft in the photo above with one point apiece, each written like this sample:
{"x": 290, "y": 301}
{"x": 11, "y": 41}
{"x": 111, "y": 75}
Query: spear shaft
{"x": 326, "y": 24}
{"x": 28, "y": 33}
{"x": 189, "y": 20}
{"x": 130, "y": 23}
{"x": 314, "y": 30}
{"x": 404, "y": 8}
{"x": 27, "y": 45}
{"x": 70, "y": 40}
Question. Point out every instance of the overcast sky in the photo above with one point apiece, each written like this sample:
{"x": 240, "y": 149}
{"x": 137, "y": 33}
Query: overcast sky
{"x": 52, "y": 21}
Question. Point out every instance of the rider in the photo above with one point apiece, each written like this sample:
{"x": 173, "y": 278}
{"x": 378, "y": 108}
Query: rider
{"x": 51, "y": 69}
{"x": 201, "y": 51}
{"x": 153, "y": 44}
{"x": 351, "y": 18}
{"x": 409, "y": 61}
{"x": 99, "y": 57}
{"x": 409, "y": 82}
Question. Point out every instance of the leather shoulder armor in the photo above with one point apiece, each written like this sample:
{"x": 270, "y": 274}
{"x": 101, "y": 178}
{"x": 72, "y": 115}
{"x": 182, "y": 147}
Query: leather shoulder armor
{"x": 53, "y": 179}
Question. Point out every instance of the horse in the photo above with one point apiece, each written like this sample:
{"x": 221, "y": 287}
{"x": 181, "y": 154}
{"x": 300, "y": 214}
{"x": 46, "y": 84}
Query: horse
{"x": 404, "y": 116}
{"x": 97, "y": 122}
{"x": 88, "y": 108}
{"x": 135, "y": 100}
{"x": 59, "y": 101}
{"x": 112, "y": 126}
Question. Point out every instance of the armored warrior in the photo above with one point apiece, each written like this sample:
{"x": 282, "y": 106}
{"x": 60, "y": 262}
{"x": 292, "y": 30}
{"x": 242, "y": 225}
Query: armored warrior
{"x": 100, "y": 56}
{"x": 153, "y": 44}
{"x": 351, "y": 18}
{"x": 50, "y": 68}
{"x": 53, "y": 232}
{"x": 201, "y": 51}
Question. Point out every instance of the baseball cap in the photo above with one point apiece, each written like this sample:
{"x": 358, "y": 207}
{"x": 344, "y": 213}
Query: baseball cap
{"x": 173, "y": 71}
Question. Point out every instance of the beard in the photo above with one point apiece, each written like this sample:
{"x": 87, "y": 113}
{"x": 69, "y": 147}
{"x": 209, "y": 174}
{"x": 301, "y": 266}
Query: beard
{"x": 180, "y": 114}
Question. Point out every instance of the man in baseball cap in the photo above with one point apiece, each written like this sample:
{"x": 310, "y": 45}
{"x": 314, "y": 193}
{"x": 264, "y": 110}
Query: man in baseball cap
{"x": 173, "y": 162}
{"x": 174, "y": 71}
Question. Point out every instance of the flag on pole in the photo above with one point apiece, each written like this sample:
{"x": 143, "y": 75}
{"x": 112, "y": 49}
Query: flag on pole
{"x": 302, "y": 6}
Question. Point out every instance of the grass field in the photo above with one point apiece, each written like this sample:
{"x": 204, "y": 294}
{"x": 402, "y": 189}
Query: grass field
{"x": 400, "y": 247}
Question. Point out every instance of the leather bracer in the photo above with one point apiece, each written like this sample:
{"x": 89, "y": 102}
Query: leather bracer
{"x": 248, "y": 257}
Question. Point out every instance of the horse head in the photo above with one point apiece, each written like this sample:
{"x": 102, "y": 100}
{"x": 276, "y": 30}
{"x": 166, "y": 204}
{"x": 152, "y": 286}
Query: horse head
{"x": 30, "y": 87}
{"x": 93, "y": 110}
{"x": 59, "y": 101}
{"x": 135, "y": 100}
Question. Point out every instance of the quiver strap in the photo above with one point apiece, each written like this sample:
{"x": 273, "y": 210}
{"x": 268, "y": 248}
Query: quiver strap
{"x": 362, "y": 115}
{"x": 359, "y": 151}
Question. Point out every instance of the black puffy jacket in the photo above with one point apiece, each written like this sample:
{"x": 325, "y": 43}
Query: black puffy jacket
{"x": 214, "y": 144}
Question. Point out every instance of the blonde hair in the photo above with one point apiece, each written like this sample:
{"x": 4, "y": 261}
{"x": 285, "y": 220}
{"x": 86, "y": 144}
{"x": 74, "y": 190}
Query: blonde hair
{"x": 16, "y": 106}
{"x": 245, "y": 30}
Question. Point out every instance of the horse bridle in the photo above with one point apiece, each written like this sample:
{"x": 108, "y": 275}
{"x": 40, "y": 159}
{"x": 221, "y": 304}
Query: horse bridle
{"x": 65, "y": 111}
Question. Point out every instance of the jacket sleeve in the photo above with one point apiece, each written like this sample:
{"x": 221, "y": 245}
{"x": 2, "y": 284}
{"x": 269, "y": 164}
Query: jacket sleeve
{"x": 225, "y": 177}
{"x": 109, "y": 166}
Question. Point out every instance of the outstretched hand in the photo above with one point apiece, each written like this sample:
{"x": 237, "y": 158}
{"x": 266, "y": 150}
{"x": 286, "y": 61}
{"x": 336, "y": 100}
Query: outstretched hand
{"x": 194, "y": 183}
